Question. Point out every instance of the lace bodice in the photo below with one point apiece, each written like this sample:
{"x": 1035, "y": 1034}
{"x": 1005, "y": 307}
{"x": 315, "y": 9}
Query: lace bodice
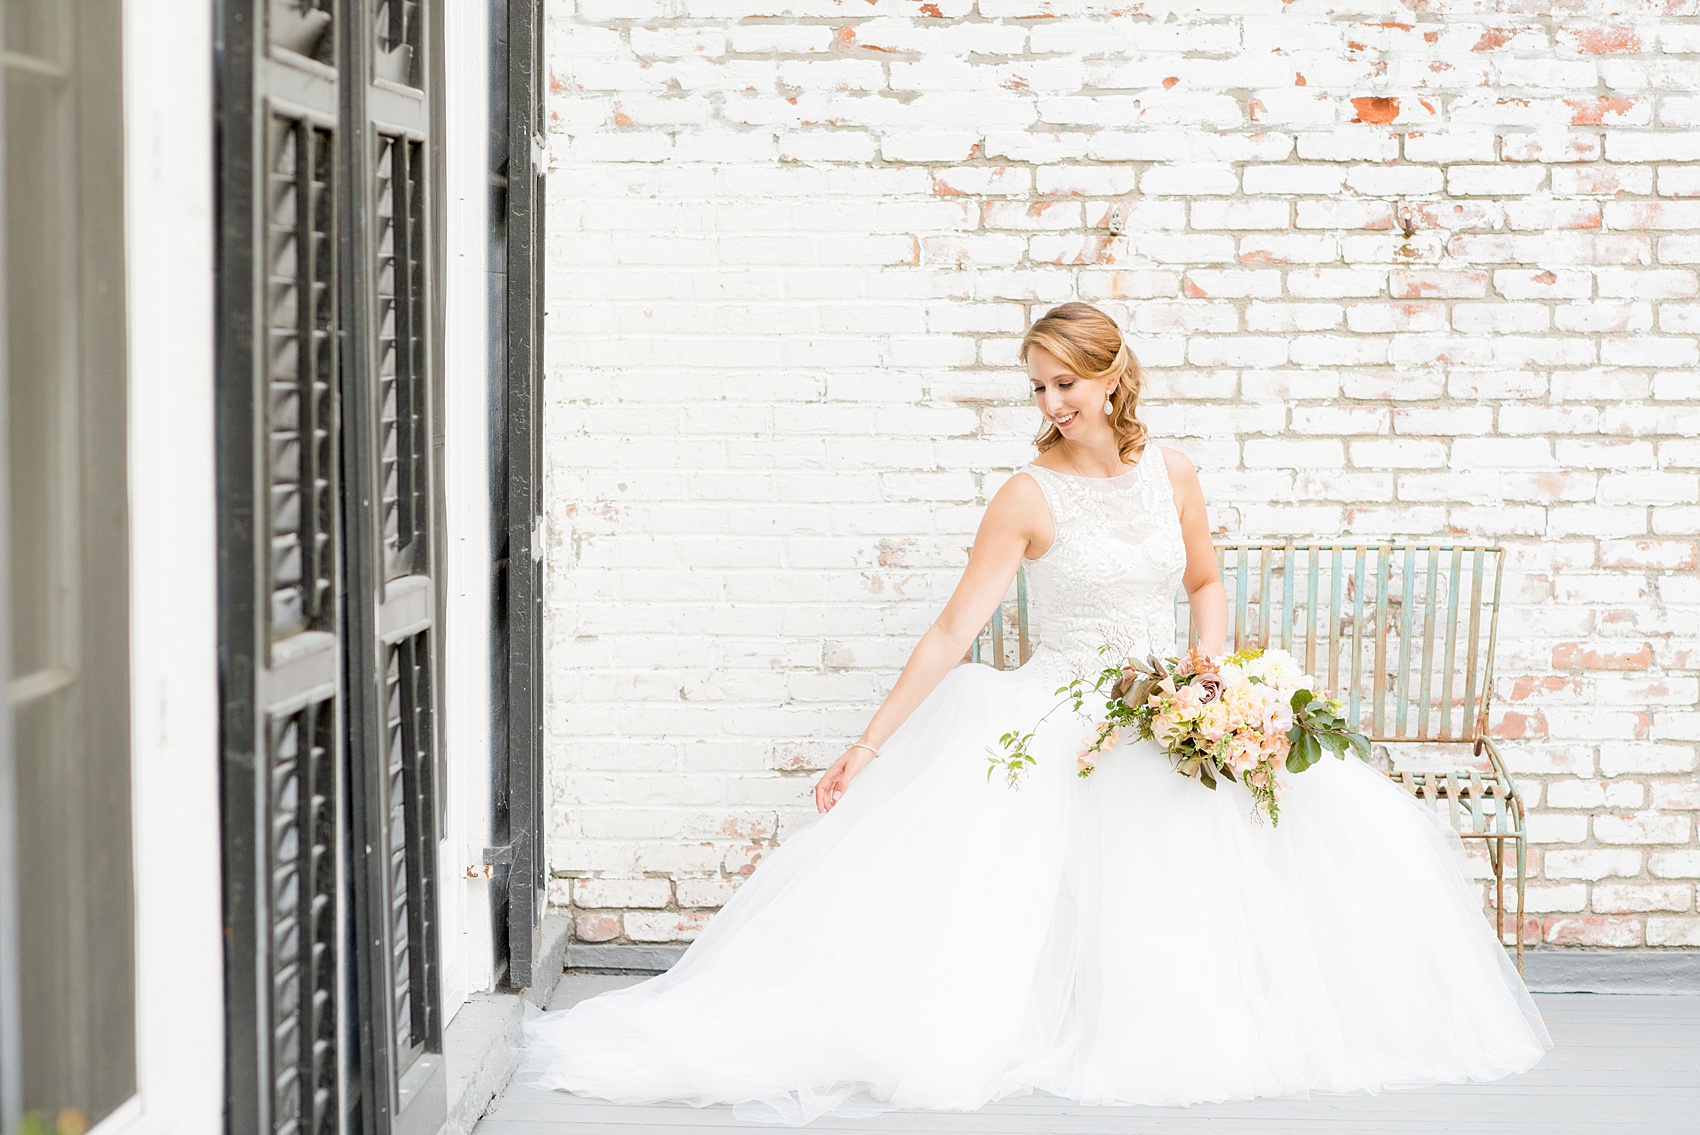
{"x": 1113, "y": 570}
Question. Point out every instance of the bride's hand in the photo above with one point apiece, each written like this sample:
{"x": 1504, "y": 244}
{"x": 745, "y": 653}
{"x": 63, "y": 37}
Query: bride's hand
{"x": 836, "y": 779}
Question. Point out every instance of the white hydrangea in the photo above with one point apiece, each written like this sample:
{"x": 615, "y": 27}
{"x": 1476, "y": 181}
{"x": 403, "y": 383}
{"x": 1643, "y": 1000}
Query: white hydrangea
{"x": 1278, "y": 668}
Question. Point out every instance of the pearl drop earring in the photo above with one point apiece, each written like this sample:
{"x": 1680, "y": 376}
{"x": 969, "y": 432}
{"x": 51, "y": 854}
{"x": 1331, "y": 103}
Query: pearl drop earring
{"x": 1109, "y": 407}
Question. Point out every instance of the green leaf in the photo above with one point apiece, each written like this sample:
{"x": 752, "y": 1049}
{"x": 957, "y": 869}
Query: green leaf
{"x": 1306, "y": 752}
{"x": 1300, "y": 699}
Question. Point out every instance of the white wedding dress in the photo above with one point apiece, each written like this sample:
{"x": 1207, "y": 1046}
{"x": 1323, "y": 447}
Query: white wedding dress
{"x": 940, "y": 940}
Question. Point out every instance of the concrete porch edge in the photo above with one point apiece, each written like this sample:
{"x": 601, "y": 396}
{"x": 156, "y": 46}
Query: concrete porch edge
{"x": 1612, "y": 971}
{"x": 1545, "y": 970}
{"x": 480, "y": 1044}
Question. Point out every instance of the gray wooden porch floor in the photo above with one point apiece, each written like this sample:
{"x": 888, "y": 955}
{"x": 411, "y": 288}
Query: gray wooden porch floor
{"x": 1618, "y": 1063}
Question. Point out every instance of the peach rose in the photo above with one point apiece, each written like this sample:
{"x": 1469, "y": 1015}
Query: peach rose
{"x": 1243, "y": 752}
{"x": 1213, "y": 720}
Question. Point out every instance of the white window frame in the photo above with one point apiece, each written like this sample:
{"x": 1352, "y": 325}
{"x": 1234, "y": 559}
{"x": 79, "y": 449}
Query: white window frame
{"x": 169, "y": 219}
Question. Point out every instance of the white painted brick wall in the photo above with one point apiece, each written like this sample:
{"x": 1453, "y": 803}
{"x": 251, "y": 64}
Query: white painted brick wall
{"x": 793, "y": 247}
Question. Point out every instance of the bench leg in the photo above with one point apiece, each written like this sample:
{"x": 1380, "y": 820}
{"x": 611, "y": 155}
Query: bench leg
{"x": 1522, "y": 876}
{"x": 1496, "y": 857}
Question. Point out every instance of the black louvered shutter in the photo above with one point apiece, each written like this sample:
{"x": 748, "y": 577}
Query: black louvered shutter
{"x": 327, "y": 573}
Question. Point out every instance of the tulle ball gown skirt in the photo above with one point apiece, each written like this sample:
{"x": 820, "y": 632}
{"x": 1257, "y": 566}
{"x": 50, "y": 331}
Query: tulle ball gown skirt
{"x": 938, "y": 940}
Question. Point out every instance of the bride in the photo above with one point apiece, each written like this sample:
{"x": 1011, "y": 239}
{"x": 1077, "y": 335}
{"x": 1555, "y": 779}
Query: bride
{"x": 938, "y": 939}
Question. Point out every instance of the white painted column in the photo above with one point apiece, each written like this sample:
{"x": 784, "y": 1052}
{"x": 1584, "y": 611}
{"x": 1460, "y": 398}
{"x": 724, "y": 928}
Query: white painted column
{"x": 168, "y": 220}
{"x": 468, "y": 957}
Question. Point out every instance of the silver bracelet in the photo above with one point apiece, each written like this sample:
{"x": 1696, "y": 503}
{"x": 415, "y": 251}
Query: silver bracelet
{"x": 862, "y": 745}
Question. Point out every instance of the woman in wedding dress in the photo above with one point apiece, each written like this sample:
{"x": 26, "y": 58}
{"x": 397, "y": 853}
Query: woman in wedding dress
{"x": 938, "y": 939}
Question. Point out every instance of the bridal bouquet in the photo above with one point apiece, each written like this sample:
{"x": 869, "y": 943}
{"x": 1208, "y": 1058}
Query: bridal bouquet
{"x": 1244, "y": 719}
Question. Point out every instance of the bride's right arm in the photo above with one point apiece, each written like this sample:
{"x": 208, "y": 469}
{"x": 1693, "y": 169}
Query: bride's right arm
{"x": 1016, "y": 522}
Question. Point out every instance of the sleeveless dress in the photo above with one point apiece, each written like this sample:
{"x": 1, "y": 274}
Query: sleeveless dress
{"x": 937, "y": 940}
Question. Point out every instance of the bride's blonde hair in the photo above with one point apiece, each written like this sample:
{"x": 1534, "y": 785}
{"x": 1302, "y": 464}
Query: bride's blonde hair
{"x": 1091, "y": 345}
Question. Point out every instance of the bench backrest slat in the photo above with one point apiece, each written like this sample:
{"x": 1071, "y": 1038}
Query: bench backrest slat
{"x": 1395, "y": 633}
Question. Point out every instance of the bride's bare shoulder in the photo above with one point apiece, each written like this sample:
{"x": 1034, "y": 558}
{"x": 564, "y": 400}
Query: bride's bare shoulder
{"x": 1021, "y": 491}
{"x": 1020, "y": 503}
{"x": 1179, "y": 465}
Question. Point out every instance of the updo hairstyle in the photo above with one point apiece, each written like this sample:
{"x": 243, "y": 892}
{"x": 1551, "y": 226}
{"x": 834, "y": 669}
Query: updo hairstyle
{"x": 1090, "y": 344}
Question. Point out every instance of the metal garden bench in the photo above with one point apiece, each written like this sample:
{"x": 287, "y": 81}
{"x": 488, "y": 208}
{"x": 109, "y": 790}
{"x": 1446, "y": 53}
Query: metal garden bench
{"x": 1404, "y": 635}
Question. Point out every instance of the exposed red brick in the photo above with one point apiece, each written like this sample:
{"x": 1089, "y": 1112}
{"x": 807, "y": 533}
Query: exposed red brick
{"x": 746, "y": 827}
{"x": 1592, "y": 112}
{"x": 1569, "y": 655}
{"x": 621, "y": 118}
{"x": 1529, "y": 685}
{"x": 1376, "y": 111}
{"x": 1521, "y": 726}
{"x": 1572, "y": 931}
{"x": 596, "y": 926}
{"x": 1607, "y": 41}
{"x": 1494, "y": 37}
{"x": 1652, "y": 555}
{"x": 1531, "y": 926}
{"x": 742, "y": 860}
{"x": 1170, "y": 81}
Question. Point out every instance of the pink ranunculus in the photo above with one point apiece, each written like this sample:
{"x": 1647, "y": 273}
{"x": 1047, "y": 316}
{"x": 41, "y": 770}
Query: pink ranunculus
{"x": 1165, "y": 727}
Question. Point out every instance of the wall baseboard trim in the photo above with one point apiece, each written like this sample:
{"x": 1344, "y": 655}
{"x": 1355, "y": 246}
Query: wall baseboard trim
{"x": 1612, "y": 971}
{"x": 644, "y": 959}
{"x": 1545, "y": 970}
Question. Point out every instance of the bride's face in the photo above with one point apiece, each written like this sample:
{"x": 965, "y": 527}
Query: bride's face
{"x": 1074, "y": 404}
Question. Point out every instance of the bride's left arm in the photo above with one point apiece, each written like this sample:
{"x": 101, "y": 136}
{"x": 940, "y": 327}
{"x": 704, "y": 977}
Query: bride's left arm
{"x": 1203, "y": 583}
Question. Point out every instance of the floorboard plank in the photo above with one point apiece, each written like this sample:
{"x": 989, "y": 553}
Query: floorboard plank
{"x": 1618, "y": 1063}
